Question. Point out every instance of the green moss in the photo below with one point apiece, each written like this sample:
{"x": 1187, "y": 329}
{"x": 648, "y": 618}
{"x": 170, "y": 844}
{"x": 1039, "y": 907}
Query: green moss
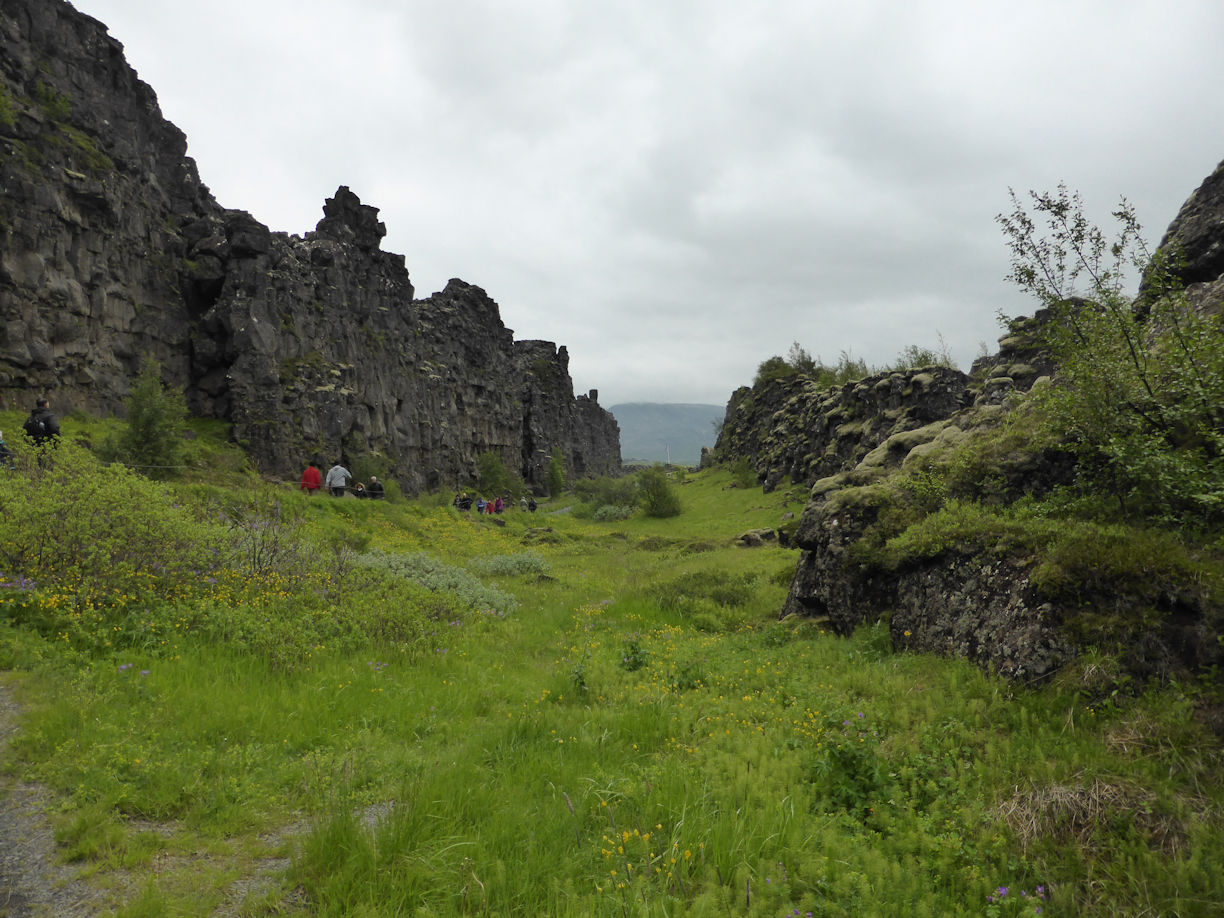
{"x": 85, "y": 152}
{"x": 55, "y": 105}
{"x": 24, "y": 156}
{"x": 8, "y": 115}
{"x": 1086, "y": 558}
{"x": 293, "y": 369}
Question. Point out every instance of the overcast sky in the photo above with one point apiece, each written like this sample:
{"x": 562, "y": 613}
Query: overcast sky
{"x": 678, "y": 189}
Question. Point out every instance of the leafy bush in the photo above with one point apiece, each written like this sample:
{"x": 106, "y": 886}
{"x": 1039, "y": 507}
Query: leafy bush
{"x": 848, "y": 774}
{"x": 656, "y": 494}
{"x": 264, "y": 535}
{"x": 606, "y": 490}
{"x": 744, "y": 474}
{"x": 633, "y": 655}
{"x": 104, "y": 530}
{"x": 773, "y": 368}
{"x": 1139, "y": 393}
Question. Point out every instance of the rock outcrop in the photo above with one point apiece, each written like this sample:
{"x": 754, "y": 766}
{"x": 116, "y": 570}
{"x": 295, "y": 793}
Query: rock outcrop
{"x": 1197, "y": 233}
{"x": 114, "y": 251}
{"x": 992, "y": 595}
{"x": 789, "y": 427}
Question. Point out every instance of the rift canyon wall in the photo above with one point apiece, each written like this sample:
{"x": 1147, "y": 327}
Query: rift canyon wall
{"x": 114, "y": 250}
{"x": 979, "y": 598}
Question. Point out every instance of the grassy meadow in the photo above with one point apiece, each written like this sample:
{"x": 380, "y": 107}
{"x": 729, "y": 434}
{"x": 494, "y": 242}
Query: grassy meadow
{"x": 244, "y": 701}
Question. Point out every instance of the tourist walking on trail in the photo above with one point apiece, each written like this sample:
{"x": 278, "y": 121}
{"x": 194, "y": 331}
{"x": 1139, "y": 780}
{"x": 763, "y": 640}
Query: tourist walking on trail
{"x": 375, "y": 490}
{"x": 312, "y": 479}
{"x": 338, "y": 478}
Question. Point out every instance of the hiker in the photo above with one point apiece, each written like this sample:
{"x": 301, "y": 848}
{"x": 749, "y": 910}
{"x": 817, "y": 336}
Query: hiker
{"x": 523, "y": 503}
{"x": 531, "y": 505}
{"x": 41, "y": 426}
{"x": 6, "y": 454}
{"x": 338, "y": 478}
{"x": 359, "y": 491}
{"x": 480, "y": 505}
{"x": 498, "y": 505}
{"x": 375, "y": 489}
{"x": 312, "y": 480}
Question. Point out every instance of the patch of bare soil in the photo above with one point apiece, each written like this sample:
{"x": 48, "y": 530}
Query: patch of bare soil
{"x": 33, "y": 884}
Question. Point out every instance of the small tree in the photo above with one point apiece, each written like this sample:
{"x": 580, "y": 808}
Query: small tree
{"x": 656, "y": 494}
{"x": 802, "y": 361}
{"x": 156, "y": 416}
{"x": 492, "y": 475}
{"x": 1139, "y": 393}
{"x": 556, "y": 474}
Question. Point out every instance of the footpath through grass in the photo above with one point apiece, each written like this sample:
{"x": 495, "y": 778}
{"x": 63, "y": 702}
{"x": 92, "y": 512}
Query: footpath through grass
{"x": 579, "y": 718}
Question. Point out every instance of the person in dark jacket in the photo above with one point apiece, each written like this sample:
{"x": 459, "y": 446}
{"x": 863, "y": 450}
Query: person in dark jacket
{"x": 374, "y": 490}
{"x": 41, "y": 426}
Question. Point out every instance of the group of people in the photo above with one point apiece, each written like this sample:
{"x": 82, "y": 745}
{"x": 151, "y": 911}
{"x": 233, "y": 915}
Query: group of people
{"x": 496, "y": 505}
{"x": 337, "y": 482}
{"x": 42, "y": 428}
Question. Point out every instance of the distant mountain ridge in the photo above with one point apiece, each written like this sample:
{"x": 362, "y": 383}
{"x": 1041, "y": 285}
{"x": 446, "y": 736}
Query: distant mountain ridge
{"x": 666, "y": 432}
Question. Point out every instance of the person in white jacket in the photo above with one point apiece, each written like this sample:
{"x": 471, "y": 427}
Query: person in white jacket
{"x": 337, "y": 479}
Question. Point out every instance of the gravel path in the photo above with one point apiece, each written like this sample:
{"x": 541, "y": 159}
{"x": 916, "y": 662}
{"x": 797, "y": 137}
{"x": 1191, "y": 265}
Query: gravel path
{"x": 33, "y": 884}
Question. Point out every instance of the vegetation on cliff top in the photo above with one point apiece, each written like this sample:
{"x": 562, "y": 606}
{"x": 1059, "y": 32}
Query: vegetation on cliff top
{"x": 848, "y": 368}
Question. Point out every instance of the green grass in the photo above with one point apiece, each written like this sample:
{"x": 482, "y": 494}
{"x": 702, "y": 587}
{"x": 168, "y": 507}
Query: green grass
{"x": 637, "y": 735}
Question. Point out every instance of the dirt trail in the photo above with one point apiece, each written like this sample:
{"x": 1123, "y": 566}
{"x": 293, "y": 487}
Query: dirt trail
{"x": 33, "y": 884}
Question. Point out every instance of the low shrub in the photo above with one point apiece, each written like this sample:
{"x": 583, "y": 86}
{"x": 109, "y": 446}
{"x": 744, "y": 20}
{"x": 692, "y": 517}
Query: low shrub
{"x": 522, "y": 564}
{"x": 76, "y": 519}
{"x": 440, "y": 577}
{"x": 610, "y": 513}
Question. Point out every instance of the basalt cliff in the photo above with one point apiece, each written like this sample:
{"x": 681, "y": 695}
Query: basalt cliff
{"x": 112, "y": 249}
{"x": 1016, "y": 593}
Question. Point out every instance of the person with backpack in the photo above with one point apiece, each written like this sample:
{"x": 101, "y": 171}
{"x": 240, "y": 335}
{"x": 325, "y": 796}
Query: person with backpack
{"x": 41, "y": 426}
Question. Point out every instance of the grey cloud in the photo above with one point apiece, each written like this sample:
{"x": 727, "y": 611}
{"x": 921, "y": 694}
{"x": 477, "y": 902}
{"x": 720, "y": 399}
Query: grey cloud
{"x": 676, "y": 191}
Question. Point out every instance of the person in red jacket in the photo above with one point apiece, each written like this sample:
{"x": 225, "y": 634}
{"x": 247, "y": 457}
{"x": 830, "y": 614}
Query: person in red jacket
{"x": 311, "y": 479}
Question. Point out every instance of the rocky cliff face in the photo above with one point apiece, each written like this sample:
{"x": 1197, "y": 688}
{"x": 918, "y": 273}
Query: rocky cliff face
{"x": 790, "y": 427}
{"x": 113, "y": 249}
{"x": 868, "y": 449}
{"x": 1198, "y": 234}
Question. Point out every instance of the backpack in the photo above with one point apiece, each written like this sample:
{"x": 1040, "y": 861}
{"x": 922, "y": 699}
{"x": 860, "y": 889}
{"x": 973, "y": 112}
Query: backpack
{"x": 36, "y": 427}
